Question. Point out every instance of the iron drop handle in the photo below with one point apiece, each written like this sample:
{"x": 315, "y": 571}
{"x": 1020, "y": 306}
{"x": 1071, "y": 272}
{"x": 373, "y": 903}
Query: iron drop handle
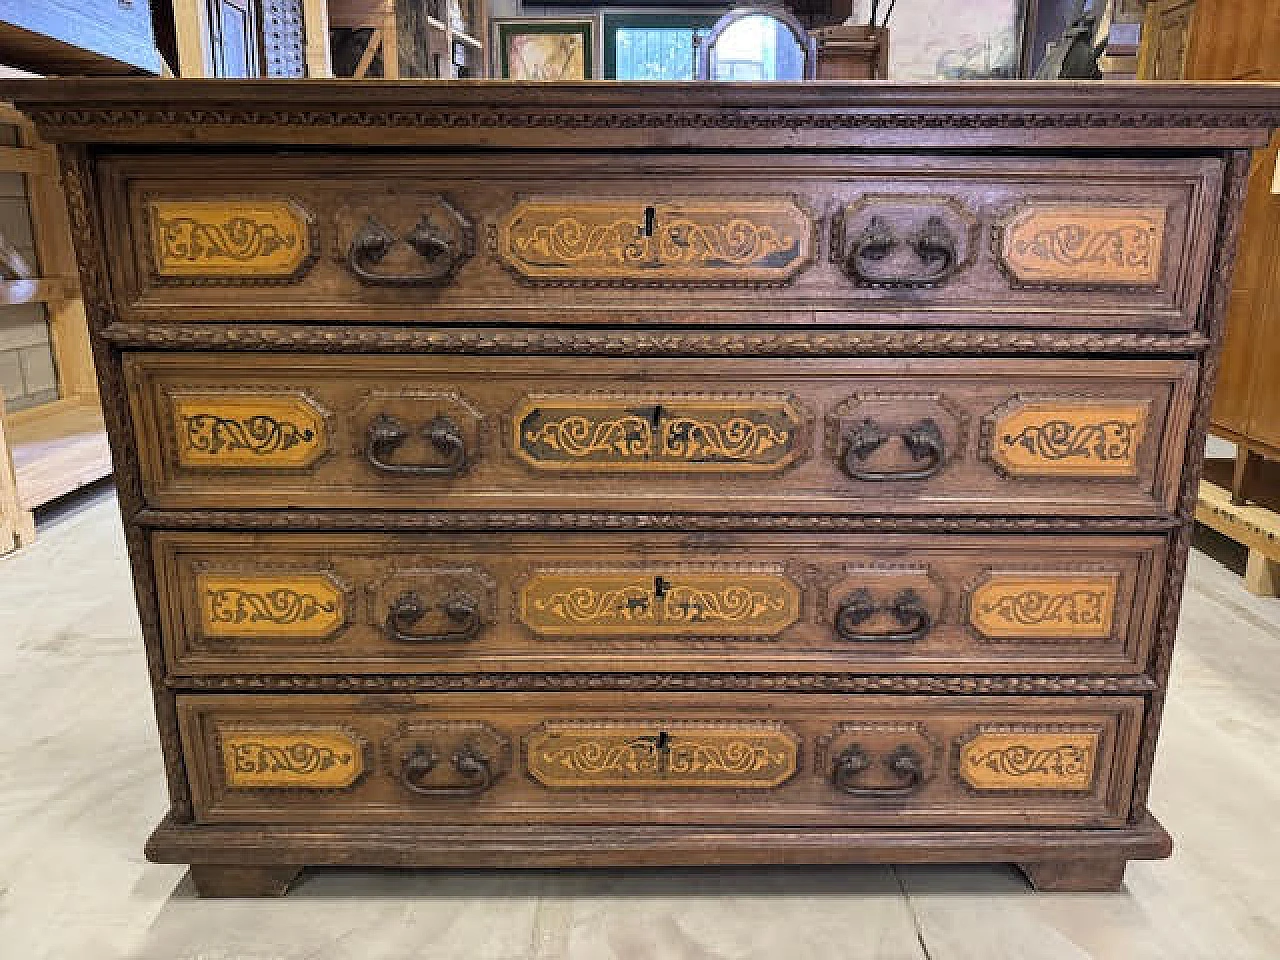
{"x": 907, "y": 608}
{"x": 374, "y": 240}
{"x": 467, "y": 761}
{"x": 408, "y": 608}
{"x": 904, "y": 763}
{"x": 387, "y": 433}
{"x": 923, "y": 440}
{"x": 934, "y": 245}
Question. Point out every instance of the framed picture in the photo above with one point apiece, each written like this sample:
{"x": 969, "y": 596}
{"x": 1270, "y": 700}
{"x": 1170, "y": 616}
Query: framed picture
{"x": 544, "y": 49}
{"x": 929, "y": 41}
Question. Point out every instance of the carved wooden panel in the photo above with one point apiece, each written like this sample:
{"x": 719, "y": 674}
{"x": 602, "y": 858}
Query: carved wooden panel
{"x": 741, "y": 756}
{"x": 1030, "y": 759}
{"x": 1084, "y": 245}
{"x": 308, "y": 758}
{"x": 658, "y": 601}
{"x": 225, "y": 430}
{"x": 221, "y": 240}
{"x": 725, "y": 240}
{"x": 1044, "y": 605}
{"x": 287, "y": 605}
{"x": 656, "y": 432}
{"x": 1067, "y": 438}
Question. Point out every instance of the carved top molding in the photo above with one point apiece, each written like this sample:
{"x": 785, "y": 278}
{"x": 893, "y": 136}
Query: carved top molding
{"x": 641, "y": 343}
{"x": 100, "y": 110}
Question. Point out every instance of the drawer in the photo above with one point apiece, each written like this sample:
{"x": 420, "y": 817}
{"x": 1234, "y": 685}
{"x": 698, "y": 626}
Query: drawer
{"x": 661, "y": 758}
{"x": 382, "y": 604}
{"x": 708, "y": 239}
{"x": 971, "y": 436}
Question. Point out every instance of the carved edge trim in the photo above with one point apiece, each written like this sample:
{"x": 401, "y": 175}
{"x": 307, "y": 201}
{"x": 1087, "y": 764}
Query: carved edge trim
{"x": 609, "y": 116}
{"x": 84, "y": 212}
{"x": 698, "y": 682}
{"x": 1213, "y": 317}
{"x": 249, "y": 336}
{"x": 460, "y": 520}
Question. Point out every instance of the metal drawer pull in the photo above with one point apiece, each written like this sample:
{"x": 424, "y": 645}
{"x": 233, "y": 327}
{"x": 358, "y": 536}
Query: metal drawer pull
{"x": 467, "y": 761}
{"x": 923, "y": 440}
{"x": 388, "y": 433}
{"x": 933, "y": 244}
{"x": 906, "y": 607}
{"x": 408, "y": 608}
{"x": 904, "y": 763}
{"x": 374, "y": 240}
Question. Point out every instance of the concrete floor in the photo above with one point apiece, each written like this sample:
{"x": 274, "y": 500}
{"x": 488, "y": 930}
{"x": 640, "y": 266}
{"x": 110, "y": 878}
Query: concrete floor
{"x": 81, "y": 787}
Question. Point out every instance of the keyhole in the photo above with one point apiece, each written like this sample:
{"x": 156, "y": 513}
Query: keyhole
{"x": 660, "y": 587}
{"x": 657, "y": 416}
{"x": 649, "y": 215}
{"x": 664, "y": 740}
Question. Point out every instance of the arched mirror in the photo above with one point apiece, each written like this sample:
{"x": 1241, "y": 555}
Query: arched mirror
{"x": 755, "y": 44}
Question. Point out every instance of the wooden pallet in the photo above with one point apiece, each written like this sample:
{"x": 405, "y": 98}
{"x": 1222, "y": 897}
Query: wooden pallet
{"x": 1254, "y": 527}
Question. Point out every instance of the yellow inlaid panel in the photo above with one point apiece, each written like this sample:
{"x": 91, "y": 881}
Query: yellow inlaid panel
{"x": 292, "y": 605}
{"x": 651, "y": 433}
{"x": 229, "y": 239}
{"x": 1070, "y": 439}
{"x": 1084, "y": 245}
{"x": 310, "y": 759}
{"x": 251, "y": 430}
{"x": 738, "y": 756}
{"x": 713, "y": 241}
{"x": 1049, "y": 760}
{"x": 659, "y": 604}
{"x": 1071, "y": 606}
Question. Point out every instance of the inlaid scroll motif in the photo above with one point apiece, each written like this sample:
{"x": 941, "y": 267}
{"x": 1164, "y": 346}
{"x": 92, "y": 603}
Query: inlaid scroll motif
{"x": 303, "y": 606}
{"x": 651, "y": 603}
{"x": 737, "y": 756}
{"x": 725, "y": 240}
{"x": 246, "y": 240}
{"x": 272, "y": 431}
{"x": 651, "y": 434}
{"x": 1085, "y": 245}
{"x": 309, "y": 759}
{"x": 1031, "y": 760}
{"x": 1069, "y": 439}
{"x": 1051, "y": 605}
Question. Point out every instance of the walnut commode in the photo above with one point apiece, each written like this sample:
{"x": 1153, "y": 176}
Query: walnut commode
{"x": 610, "y": 474}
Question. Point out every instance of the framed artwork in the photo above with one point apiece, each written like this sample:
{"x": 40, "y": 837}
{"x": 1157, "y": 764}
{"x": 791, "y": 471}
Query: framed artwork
{"x": 544, "y": 49}
{"x": 930, "y": 40}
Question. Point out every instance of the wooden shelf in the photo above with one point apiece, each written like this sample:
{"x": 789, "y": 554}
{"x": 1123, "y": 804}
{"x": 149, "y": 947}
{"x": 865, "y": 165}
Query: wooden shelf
{"x": 57, "y": 452}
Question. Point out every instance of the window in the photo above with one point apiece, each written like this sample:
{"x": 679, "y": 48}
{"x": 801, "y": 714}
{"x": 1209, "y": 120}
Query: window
{"x": 653, "y": 46}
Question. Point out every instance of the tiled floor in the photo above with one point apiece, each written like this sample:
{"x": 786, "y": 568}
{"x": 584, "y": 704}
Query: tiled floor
{"x": 81, "y": 786}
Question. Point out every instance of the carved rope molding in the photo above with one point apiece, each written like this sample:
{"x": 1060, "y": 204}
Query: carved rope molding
{"x": 694, "y": 682}
{"x": 456, "y": 520}
{"x": 887, "y": 342}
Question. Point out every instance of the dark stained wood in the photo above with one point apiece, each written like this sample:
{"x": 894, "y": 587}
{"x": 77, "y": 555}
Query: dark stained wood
{"x": 219, "y": 880}
{"x": 827, "y": 400}
{"x": 1096, "y": 620}
{"x": 970, "y": 740}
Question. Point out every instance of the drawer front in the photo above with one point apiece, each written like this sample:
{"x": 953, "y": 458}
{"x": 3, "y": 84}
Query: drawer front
{"x": 845, "y": 436}
{"x": 334, "y": 603}
{"x": 643, "y": 758}
{"x": 951, "y": 241}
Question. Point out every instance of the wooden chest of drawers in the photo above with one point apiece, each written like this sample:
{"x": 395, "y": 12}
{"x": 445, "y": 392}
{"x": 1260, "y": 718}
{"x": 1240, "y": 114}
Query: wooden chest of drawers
{"x": 577, "y": 475}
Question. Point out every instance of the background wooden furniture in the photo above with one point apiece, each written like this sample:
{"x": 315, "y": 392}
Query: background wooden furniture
{"x": 1236, "y": 40}
{"x": 847, "y": 52}
{"x": 413, "y": 38}
{"x": 410, "y": 667}
{"x": 56, "y": 447}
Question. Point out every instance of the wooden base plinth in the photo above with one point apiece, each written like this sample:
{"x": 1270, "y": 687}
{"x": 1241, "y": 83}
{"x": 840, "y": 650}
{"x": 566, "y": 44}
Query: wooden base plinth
{"x": 246, "y": 861}
{"x": 221, "y": 880}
